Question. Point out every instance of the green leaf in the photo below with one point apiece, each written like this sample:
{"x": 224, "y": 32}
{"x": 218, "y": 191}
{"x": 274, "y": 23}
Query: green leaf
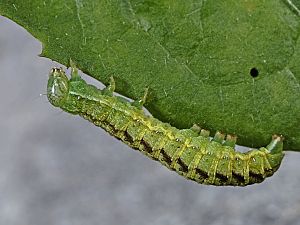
{"x": 195, "y": 56}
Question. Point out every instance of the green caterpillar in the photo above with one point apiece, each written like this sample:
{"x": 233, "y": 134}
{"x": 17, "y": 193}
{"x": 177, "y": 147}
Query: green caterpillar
{"x": 189, "y": 152}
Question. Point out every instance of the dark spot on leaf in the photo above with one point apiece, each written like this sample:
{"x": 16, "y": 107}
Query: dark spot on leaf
{"x": 254, "y": 72}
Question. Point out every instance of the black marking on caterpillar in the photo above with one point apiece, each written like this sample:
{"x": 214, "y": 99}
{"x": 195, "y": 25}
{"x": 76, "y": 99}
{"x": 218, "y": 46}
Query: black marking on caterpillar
{"x": 189, "y": 152}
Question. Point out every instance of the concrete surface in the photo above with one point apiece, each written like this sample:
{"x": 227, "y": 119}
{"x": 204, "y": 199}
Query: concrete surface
{"x": 58, "y": 169}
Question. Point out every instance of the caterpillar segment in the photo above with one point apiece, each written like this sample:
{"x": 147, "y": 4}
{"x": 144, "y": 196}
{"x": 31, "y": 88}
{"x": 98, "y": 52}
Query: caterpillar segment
{"x": 192, "y": 153}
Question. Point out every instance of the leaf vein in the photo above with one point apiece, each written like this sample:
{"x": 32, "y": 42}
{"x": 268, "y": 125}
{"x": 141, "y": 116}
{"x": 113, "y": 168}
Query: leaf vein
{"x": 78, "y": 6}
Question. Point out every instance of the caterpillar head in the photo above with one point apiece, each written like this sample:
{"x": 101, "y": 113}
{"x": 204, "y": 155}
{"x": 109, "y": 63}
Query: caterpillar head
{"x": 58, "y": 87}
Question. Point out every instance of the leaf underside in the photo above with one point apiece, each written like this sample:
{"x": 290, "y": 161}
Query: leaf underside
{"x": 232, "y": 66}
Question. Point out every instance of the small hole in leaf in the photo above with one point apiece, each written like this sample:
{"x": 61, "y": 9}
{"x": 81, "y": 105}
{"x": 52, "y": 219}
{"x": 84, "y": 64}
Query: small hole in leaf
{"x": 254, "y": 72}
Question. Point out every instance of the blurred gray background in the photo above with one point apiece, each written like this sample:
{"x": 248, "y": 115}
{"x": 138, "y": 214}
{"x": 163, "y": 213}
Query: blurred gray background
{"x": 56, "y": 168}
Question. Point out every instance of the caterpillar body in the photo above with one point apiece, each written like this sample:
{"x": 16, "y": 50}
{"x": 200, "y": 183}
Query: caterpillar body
{"x": 189, "y": 152}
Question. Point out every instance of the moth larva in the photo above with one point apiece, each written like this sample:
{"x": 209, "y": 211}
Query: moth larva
{"x": 189, "y": 152}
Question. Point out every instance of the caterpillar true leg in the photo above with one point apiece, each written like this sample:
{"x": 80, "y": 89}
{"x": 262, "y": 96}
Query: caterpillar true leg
{"x": 190, "y": 152}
